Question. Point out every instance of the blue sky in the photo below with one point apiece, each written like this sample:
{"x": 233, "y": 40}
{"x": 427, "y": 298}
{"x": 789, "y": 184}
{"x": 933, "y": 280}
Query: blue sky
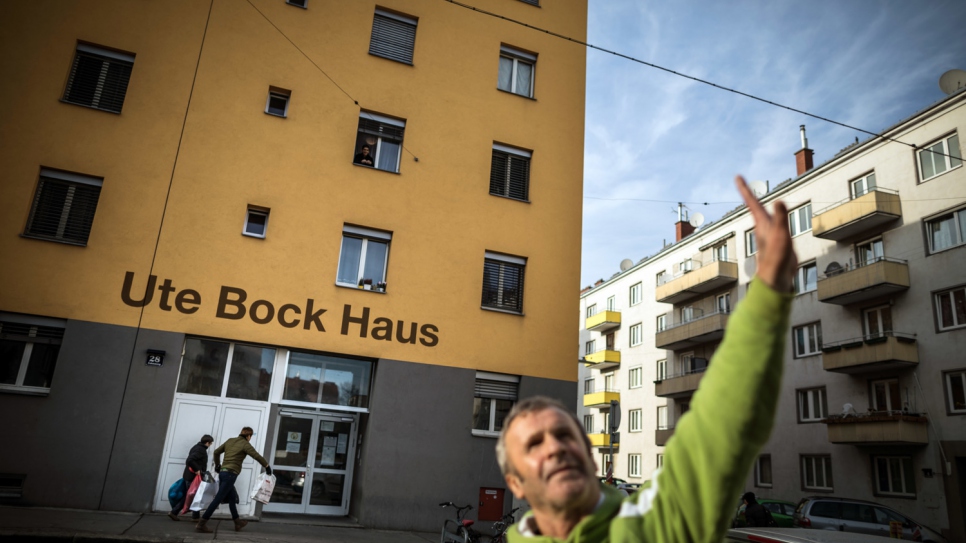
{"x": 654, "y": 135}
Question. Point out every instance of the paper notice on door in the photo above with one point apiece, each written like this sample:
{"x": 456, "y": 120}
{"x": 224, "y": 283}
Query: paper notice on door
{"x": 343, "y": 441}
{"x": 328, "y": 456}
{"x": 292, "y": 447}
{"x": 330, "y": 441}
{"x": 328, "y": 426}
{"x": 294, "y": 436}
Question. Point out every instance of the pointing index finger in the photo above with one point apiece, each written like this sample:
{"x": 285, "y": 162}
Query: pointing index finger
{"x": 754, "y": 206}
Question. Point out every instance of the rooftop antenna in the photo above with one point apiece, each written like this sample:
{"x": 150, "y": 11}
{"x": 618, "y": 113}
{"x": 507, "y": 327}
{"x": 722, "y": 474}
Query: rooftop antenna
{"x": 952, "y": 81}
{"x": 682, "y": 212}
{"x": 626, "y": 264}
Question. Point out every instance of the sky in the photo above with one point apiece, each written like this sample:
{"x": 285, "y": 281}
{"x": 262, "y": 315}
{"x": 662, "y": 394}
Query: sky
{"x": 654, "y": 135}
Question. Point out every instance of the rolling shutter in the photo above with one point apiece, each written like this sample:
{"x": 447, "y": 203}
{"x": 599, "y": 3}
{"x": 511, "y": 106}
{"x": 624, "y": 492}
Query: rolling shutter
{"x": 393, "y": 37}
{"x": 510, "y": 175}
{"x": 503, "y": 285}
{"x": 500, "y": 390}
{"x": 63, "y": 210}
{"x": 97, "y": 80}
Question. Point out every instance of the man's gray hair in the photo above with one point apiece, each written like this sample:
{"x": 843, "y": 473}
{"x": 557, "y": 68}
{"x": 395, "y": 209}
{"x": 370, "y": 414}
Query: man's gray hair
{"x": 533, "y": 404}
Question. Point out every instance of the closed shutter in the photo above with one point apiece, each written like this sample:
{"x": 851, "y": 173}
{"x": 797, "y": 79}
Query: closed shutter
{"x": 392, "y": 38}
{"x": 63, "y": 210}
{"x": 98, "y": 81}
{"x": 500, "y": 390}
{"x": 17, "y": 331}
{"x": 510, "y": 175}
{"x": 376, "y": 128}
{"x": 503, "y": 285}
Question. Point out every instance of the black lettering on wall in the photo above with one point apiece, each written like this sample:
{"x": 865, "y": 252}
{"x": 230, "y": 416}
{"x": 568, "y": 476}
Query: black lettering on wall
{"x": 286, "y": 308}
{"x": 348, "y": 319}
{"x": 412, "y": 333}
{"x": 166, "y": 288}
{"x": 383, "y": 330}
{"x": 270, "y": 312}
{"x": 187, "y": 296}
{"x": 238, "y": 303}
{"x": 313, "y": 317}
{"x": 428, "y": 331}
{"x": 148, "y": 290}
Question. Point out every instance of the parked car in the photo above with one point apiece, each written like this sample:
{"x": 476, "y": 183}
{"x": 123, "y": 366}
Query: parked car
{"x": 781, "y": 511}
{"x": 616, "y": 481}
{"x": 630, "y": 488}
{"x": 848, "y": 515}
{"x": 795, "y": 535}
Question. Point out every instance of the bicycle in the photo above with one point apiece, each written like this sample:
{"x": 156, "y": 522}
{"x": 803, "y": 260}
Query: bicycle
{"x": 500, "y": 527}
{"x": 460, "y": 530}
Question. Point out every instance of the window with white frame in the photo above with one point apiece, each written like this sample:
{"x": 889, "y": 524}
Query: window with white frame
{"x": 610, "y": 382}
{"x": 98, "y": 78}
{"x": 862, "y": 185}
{"x": 661, "y": 323}
{"x": 636, "y": 291}
{"x": 277, "y": 102}
{"x": 63, "y": 207}
{"x": 227, "y": 369}
{"x": 720, "y": 252}
{"x": 28, "y": 352}
{"x": 956, "y": 391}
{"x": 256, "y": 222}
{"x": 589, "y": 424}
{"x": 687, "y": 314}
{"x": 939, "y": 157}
{"x": 661, "y": 370}
{"x": 591, "y": 310}
{"x": 686, "y": 265}
{"x": 590, "y": 347}
{"x": 310, "y": 378}
{"x": 816, "y": 472}
{"x": 763, "y": 471}
{"x": 637, "y": 333}
{"x": 633, "y": 465}
{"x": 661, "y": 278}
{"x": 379, "y": 142}
{"x": 662, "y": 417}
{"x": 635, "y": 423}
{"x": 812, "y": 405}
{"x": 946, "y": 231}
{"x": 589, "y": 386}
{"x": 660, "y": 461}
{"x": 516, "y": 71}
{"x": 723, "y": 302}
{"x": 869, "y": 252}
{"x": 510, "y": 172}
{"x": 364, "y": 257}
{"x": 611, "y": 303}
{"x": 877, "y": 321}
{"x": 751, "y": 242}
{"x": 807, "y": 339}
{"x": 806, "y": 278}
{"x": 634, "y": 378}
{"x": 894, "y": 475}
{"x": 800, "y": 219}
{"x": 393, "y": 36}
{"x": 493, "y": 396}
{"x": 951, "y": 308}
{"x": 503, "y": 282}
{"x": 884, "y": 395}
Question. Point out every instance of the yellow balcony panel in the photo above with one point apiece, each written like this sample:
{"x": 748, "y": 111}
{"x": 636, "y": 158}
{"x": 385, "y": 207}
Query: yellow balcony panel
{"x": 603, "y": 359}
{"x": 857, "y": 216}
{"x": 604, "y": 321}
{"x": 601, "y": 440}
{"x": 601, "y": 399}
{"x": 701, "y": 330}
{"x": 881, "y": 278}
{"x": 678, "y": 386}
{"x": 661, "y": 436}
{"x": 879, "y": 429}
{"x": 890, "y": 351}
{"x": 694, "y": 283}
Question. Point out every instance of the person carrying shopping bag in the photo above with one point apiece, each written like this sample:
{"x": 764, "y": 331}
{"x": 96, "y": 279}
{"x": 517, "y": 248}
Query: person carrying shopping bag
{"x": 194, "y": 465}
{"x": 235, "y": 451}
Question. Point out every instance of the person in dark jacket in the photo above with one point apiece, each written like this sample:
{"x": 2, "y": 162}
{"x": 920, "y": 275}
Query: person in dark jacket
{"x": 755, "y": 513}
{"x": 235, "y": 451}
{"x": 194, "y": 465}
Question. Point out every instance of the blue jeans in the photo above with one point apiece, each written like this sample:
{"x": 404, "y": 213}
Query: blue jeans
{"x": 226, "y": 491}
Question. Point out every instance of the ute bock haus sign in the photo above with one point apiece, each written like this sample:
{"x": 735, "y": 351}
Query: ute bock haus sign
{"x": 233, "y": 304}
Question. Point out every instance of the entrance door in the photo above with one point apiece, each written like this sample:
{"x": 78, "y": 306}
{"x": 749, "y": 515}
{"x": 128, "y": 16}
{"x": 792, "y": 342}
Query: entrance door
{"x": 312, "y": 462}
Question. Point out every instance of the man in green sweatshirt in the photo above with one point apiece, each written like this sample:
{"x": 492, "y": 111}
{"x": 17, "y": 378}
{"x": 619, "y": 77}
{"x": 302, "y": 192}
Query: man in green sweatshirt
{"x": 546, "y": 457}
{"x": 235, "y": 451}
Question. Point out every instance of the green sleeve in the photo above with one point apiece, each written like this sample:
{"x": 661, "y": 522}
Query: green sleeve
{"x": 254, "y": 454}
{"x": 218, "y": 452}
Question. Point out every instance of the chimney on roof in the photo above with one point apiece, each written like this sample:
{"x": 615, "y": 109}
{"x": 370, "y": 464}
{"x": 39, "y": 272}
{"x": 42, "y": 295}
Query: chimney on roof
{"x": 682, "y": 228}
{"x": 803, "y": 157}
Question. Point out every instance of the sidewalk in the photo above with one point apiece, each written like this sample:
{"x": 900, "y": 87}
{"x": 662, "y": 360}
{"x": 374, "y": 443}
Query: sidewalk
{"x": 72, "y": 525}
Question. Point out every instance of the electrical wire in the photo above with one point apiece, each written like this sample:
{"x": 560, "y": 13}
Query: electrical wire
{"x": 736, "y": 202}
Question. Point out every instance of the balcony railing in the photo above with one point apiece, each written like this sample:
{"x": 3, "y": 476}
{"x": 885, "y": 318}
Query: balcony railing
{"x": 679, "y": 385}
{"x": 603, "y": 321}
{"x": 703, "y": 329}
{"x": 662, "y": 435}
{"x": 871, "y": 353}
{"x": 607, "y": 358}
{"x": 880, "y": 277}
{"x": 601, "y": 440}
{"x": 601, "y": 397}
{"x": 879, "y": 428}
{"x": 701, "y": 279}
{"x": 852, "y": 217}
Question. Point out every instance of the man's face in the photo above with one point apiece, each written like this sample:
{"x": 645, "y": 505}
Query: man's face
{"x": 365, "y": 150}
{"x": 550, "y": 464}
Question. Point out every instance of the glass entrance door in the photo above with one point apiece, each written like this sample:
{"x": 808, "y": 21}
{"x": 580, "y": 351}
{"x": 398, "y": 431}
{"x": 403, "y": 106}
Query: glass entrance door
{"x": 312, "y": 462}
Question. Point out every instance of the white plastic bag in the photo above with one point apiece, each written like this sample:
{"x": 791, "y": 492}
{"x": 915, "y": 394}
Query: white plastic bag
{"x": 207, "y": 491}
{"x": 264, "y": 486}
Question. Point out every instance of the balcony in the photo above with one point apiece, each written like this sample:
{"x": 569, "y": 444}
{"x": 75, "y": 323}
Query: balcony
{"x": 853, "y": 217}
{"x": 879, "y": 352}
{"x": 601, "y": 398}
{"x": 603, "y": 359}
{"x": 687, "y": 285}
{"x": 878, "y": 428}
{"x": 661, "y": 436}
{"x": 883, "y": 277}
{"x": 603, "y": 321}
{"x": 678, "y": 386}
{"x": 694, "y": 332}
{"x": 601, "y": 440}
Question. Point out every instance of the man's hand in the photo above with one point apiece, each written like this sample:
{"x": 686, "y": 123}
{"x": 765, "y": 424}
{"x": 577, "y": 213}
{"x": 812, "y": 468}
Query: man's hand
{"x": 268, "y": 470}
{"x": 217, "y": 468}
{"x": 776, "y": 257}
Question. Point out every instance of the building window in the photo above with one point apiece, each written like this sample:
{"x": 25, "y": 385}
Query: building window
{"x": 63, "y": 207}
{"x": 946, "y": 231}
{"x": 817, "y": 472}
{"x": 751, "y": 242}
{"x": 610, "y": 383}
{"x": 364, "y": 257}
{"x": 589, "y": 424}
{"x": 686, "y": 265}
{"x": 393, "y": 36}
{"x": 807, "y": 339}
{"x": 493, "y": 397}
{"x": 720, "y": 253}
{"x": 806, "y": 278}
{"x": 590, "y": 347}
{"x": 634, "y": 377}
{"x": 503, "y": 282}
{"x": 661, "y": 370}
{"x": 516, "y": 71}
{"x": 636, "y": 291}
{"x": 763, "y": 471}
{"x": 940, "y": 157}
{"x": 591, "y": 310}
{"x": 298, "y": 3}
{"x": 277, "y": 103}
{"x": 636, "y": 334}
{"x": 951, "y": 308}
{"x": 234, "y": 370}
{"x": 635, "y": 422}
{"x": 956, "y": 391}
{"x": 662, "y": 417}
{"x": 28, "y": 352}
{"x": 894, "y": 475}
{"x": 661, "y": 278}
{"x": 510, "y": 173}
{"x": 589, "y": 386}
{"x": 723, "y": 302}
{"x": 98, "y": 78}
{"x": 812, "y": 406}
{"x": 634, "y": 465}
{"x": 885, "y": 395}
{"x": 800, "y": 219}
{"x": 862, "y": 185}
{"x": 611, "y": 303}
{"x": 531, "y": 2}
{"x": 661, "y": 324}
{"x": 256, "y": 222}
{"x": 877, "y": 321}
{"x": 660, "y": 461}
{"x": 379, "y": 142}
{"x": 868, "y": 252}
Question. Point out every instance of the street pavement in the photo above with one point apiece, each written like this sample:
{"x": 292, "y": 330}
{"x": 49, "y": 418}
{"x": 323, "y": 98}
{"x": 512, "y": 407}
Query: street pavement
{"x": 37, "y": 524}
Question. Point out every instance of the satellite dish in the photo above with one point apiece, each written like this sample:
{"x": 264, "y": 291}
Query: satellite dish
{"x": 760, "y": 188}
{"x": 697, "y": 219}
{"x": 952, "y": 81}
{"x": 626, "y": 264}
{"x": 834, "y": 268}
